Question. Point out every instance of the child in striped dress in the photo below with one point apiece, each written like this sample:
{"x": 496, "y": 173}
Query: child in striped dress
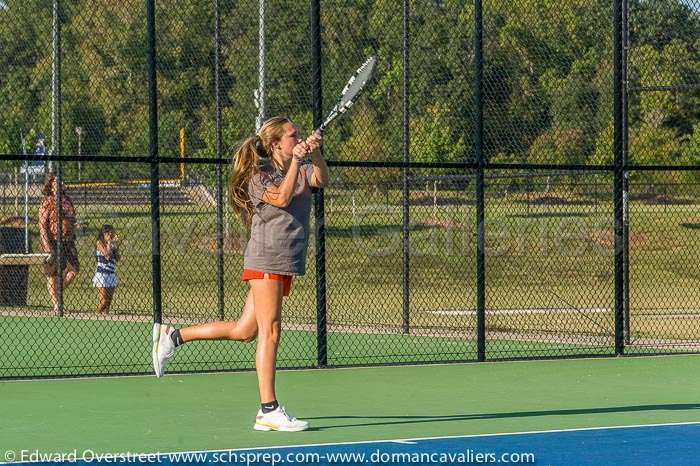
{"x": 105, "y": 279}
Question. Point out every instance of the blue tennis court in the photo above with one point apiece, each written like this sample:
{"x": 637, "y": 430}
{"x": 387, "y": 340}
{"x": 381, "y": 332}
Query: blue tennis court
{"x": 662, "y": 444}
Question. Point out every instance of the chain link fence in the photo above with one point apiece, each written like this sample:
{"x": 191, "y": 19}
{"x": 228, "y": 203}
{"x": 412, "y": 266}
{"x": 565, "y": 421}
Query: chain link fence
{"x": 520, "y": 179}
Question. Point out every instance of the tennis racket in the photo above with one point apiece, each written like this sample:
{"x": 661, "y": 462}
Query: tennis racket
{"x": 350, "y": 93}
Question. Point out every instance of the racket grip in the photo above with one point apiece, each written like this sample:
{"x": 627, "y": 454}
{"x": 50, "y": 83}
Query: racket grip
{"x": 319, "y": 131}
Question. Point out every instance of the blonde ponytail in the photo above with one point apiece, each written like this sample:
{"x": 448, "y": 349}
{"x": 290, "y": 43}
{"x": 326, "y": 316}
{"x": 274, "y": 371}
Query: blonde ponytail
{"x": 246, "y": 164}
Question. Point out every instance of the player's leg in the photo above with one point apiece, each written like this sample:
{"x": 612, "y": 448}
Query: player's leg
{"x": 268, "y": 312}
{"x": 243, "y": 329}
{"x": 167, "y": 339}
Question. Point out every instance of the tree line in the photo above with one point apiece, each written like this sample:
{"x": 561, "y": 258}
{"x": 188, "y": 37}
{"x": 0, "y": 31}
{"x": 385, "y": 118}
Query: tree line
{"x": 547, "y": 78}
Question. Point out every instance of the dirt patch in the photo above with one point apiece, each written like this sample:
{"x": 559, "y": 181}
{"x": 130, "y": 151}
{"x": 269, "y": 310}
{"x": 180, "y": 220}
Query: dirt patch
{"x": 550, "y": 199}
{"x": 16, "y": 222}
{"x": 662, "y": 199}
{"x": 606, "y": 238}
{"x": 440, "y": 200}
{"x": 439, "y": 223}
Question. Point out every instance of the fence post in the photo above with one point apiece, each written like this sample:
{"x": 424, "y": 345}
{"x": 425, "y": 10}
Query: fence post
{"x": 153, "y": 154}
{"x": 625, "y": 173}
{"x": 479, "y": 154}
{"x": 219, "y": 174}
{"x": 262, "y": 58}
{"x": 618, "y": 176}
{"x": 406, "y": 173}
{"x": 56, "y": 146}
{"x": 321, "y": 329}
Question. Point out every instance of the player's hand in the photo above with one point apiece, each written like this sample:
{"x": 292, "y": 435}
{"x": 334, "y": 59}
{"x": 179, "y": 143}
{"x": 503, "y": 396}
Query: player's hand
{"x": 314, "y": 142}
{"x": 301, "y": 151}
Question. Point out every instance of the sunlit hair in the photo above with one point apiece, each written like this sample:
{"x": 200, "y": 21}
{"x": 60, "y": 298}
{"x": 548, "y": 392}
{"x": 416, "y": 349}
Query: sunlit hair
{"x": 246, "y": 163}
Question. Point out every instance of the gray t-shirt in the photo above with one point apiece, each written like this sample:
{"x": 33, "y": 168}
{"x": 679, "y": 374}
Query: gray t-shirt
{"x": 279, "y": 238}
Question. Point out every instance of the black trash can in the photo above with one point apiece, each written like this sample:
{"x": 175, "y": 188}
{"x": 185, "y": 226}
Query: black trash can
{"x": 13, "y": 278}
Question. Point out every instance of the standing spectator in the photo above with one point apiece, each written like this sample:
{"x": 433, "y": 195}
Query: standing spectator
{"x": 107, "y": 255}
{"x": 48, "y": 233}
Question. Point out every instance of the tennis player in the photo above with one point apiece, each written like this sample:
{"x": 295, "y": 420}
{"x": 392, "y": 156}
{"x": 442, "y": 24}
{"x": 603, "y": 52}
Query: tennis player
{"x": 270, "y": 189}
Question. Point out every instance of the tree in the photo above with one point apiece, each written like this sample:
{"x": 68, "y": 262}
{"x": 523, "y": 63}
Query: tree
{"x": 367, "y": 143}
{"x": 432, "y": 139}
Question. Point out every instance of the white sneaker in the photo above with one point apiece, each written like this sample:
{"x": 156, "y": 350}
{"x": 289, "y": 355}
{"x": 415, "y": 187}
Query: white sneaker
{"x": 163, "y": 347}
{"x": 278, "y": 420}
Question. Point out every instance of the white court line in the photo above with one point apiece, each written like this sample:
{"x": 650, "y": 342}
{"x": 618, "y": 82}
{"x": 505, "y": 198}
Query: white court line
{"x": 414, "y": 440}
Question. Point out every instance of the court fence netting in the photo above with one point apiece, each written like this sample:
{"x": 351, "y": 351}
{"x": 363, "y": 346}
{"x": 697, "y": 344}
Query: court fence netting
{"x": 520, "y": 179}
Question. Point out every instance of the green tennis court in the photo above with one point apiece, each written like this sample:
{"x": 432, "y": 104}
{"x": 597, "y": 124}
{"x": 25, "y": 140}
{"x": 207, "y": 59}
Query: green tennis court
{"x": 216, "y": 411}
{"x": 511, "y": 223}
{"x": 85, "y": 345}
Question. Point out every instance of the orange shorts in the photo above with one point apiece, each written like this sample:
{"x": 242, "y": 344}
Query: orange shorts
{"x": 286, "y": 280}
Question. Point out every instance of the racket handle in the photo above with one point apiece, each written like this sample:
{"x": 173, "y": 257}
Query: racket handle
{"x": 319, "y": 131}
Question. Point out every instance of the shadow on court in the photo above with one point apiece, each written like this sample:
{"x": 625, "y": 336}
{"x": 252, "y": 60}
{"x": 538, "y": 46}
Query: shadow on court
{"x": 370, "y": 230}
{"x": 397, "y": 420}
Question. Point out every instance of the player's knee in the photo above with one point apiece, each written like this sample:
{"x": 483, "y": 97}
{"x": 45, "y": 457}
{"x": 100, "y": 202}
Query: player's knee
{"x": 271, "y": 333}
{"x": 250, "y": 336}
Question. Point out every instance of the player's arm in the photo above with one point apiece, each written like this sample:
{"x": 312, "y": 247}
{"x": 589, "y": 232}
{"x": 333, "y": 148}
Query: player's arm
{"x": 280, "y": 196}
{"x": 320, "y": 177}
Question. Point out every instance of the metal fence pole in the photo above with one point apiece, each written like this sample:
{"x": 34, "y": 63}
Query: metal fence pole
{"x": 626, "y": 175}
{"x": 321, "y": 329}
{"x": 618, "y": 175}
{"x": 17, "y": 191}
{"x": 56, "y": 147}
{"x": 406, "y": 172}
{"x": 479, "y": 154}
{"x": 219, "y": 171}
{"x": 26, "y": 198}
{"x": 153, "y": 154}
{"x": 262, "y": 59}
{"x": 26, "y": 194}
